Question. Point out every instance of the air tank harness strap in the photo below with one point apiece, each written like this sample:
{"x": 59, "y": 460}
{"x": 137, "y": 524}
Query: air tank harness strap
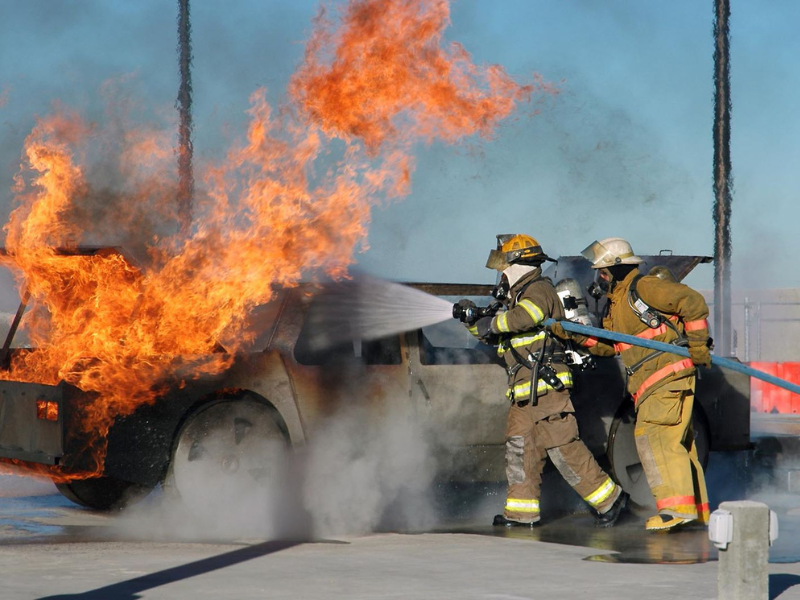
{"x": 655, "y": 320}
{"x": 663, "y": 372}
{"x": 539, "y": 366}
{"x": 640, "y": 363}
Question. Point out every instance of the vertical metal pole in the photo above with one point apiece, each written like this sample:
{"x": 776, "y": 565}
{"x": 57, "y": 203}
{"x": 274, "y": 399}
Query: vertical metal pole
{"x": 746, "y": 329}
{"x": 758, "y": 340}
{"x": 184, "y": 102}
{"x": 723, "y": 180}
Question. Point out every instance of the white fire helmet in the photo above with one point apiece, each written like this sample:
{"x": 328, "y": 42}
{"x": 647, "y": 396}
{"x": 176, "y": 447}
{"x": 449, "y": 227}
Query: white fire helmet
{"x": 610, "y": 252}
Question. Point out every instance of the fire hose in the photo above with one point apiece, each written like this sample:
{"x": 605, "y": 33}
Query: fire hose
{"x": 725, "y": 363}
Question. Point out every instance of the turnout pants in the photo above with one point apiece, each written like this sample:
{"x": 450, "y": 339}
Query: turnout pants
{"x": 665, "y": 442}
{"x": 549, "y": 429}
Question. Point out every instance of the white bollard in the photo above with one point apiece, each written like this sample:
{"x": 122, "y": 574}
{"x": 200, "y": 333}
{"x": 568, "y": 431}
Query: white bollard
{"x": 743, "y": 531}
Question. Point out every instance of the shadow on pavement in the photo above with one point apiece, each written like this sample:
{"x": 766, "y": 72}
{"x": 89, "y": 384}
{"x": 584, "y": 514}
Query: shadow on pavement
{"x": 129, "y": 590}
{"x": 780, "y": 582}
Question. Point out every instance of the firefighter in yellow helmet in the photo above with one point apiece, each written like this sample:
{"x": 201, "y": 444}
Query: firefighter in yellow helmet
{"x": 541, "y": 422}
{"x": 657, "y": 307}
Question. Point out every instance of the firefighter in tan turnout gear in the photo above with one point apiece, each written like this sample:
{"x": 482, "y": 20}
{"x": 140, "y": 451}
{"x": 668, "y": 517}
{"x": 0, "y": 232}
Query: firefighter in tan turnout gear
{"x": 540, "y": 421}
{"x": 661, "y": 384}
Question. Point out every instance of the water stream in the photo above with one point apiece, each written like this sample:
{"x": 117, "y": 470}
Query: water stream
{"x": 367, "y": 308}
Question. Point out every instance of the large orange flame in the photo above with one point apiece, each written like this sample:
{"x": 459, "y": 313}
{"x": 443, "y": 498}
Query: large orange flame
{"x": 292, "y": 199}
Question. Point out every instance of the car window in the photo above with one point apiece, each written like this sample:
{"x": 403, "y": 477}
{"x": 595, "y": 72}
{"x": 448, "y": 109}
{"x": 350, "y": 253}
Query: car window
{"x": 261, "y": 322}
{"x": 385, "y": 351}
{"x": 314, "y": 346}
{"x": 449, "y": 343}
{"x": 9, "y": 300}
{"x": 5, "y": 323}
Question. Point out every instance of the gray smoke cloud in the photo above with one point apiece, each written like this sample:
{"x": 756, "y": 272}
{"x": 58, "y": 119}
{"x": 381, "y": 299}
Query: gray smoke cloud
{"x": 13, "y": 486}
{"x": 359, "y": 468}
{"x": 362, "y": 469}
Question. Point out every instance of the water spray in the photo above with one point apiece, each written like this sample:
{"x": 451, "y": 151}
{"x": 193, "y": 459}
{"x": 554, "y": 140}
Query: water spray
{"x": 367, "y": 308}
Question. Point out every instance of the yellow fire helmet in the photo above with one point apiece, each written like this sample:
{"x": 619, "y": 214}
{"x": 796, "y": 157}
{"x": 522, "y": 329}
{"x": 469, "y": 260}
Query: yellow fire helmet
{"x": 515, "y": 248}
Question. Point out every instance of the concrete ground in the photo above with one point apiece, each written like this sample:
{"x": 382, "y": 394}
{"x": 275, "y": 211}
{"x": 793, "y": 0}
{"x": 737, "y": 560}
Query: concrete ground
{"x": 51, "y": 549}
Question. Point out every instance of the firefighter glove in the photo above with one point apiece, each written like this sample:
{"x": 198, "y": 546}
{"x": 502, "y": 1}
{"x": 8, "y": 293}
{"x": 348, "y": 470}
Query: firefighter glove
{"x": 558, "y": 330}
{"x": 700, "y": 354}
{"x": 484, "y": 329}
{"x": 465, "y": 303}
{"x": 468, "y": 313}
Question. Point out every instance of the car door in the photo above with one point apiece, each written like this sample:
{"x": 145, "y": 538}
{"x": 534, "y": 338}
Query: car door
{"x": 458, "y": 388}
{"x": 331, "y": 377}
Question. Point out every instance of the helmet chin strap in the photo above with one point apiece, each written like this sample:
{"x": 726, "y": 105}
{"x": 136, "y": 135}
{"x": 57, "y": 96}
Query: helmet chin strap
{"x": 516, "y": 272}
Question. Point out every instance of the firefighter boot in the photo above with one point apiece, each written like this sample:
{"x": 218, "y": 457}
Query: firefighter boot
{"x": 611, "y": 516}
{"x": 501, "y": 521}
{"x": 664, "y": 522}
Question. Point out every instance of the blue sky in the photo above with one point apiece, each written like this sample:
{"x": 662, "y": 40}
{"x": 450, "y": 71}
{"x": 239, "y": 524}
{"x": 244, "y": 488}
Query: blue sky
{"x": 625, "y": 148}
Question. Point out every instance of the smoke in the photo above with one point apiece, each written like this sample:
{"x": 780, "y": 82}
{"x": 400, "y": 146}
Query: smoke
{"x": 365, "y": 468}
{"x": 13, "y": 486}
{"x": 360, "y": 466}
{"x": 564, "y": 177}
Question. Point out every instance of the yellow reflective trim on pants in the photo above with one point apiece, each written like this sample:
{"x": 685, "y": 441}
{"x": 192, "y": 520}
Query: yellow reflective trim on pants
{"x": 473, "y": 330}
{"x": 534, "y": 311}
{"x": 523, "y": 390}
{"x": 519, "y": 341}
{"x": 501, "y": 322}
{"x": 524, "y": 506}
{"x": 601, "y": 494}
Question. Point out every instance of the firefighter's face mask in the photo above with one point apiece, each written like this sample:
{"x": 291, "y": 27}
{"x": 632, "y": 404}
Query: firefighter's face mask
{"x": 603, "y": 283}
{"x": 501, "y": 289}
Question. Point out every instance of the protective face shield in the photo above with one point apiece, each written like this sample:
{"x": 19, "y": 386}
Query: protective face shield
{"x": 610, "y": 252}
{"x": 497, "y": 261}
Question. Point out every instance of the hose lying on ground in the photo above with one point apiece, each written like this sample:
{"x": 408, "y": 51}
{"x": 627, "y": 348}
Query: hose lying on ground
{"x": 725, "y": 363}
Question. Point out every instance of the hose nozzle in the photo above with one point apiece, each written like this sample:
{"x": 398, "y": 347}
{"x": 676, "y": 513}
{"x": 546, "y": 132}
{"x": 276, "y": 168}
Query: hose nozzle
{"x": 470, "y": 314}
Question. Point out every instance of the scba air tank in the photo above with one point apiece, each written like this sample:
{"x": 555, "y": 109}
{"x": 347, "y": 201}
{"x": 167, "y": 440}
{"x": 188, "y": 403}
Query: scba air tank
{"x": 574, "y": 303}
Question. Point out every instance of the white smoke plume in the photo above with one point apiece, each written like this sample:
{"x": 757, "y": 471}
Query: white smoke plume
{"x": 359, "y": 467}
{"x": 361, "y": 471}
{"x": 13, "y": 486}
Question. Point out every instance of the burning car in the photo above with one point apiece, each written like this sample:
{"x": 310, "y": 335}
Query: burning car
{"x": 230, "y": 418}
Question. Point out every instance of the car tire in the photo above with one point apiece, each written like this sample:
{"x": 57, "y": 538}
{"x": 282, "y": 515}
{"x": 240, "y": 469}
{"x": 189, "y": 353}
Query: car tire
{"x": 626, "y": 468}
{"x": 222, "y": 451}
{"x": 103, "y": 493}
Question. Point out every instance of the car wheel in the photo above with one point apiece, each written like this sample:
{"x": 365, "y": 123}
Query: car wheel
{"x": 103, "y": 493}
{"x": 224, "y": 453}
{"x": 626, "y": 468}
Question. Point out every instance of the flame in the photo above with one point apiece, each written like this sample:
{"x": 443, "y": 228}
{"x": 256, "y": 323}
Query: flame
{"x": 292, "y": 199}
{"x": 386, "y": 76}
